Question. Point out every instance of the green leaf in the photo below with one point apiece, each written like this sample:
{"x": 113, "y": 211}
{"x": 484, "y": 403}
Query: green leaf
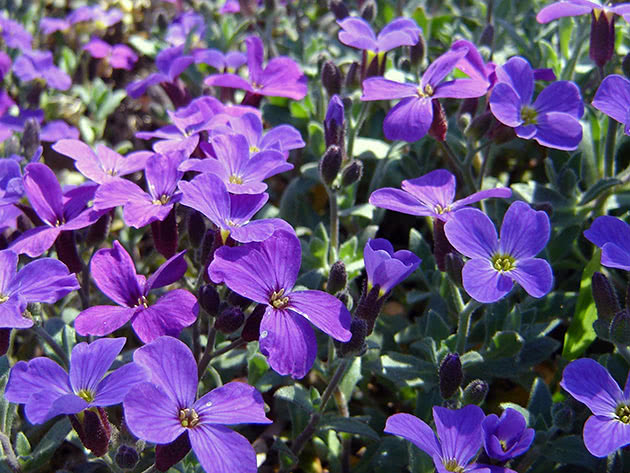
{"x": 296, "y": 395}
{"x": 436, "y": 327}
{"x": 505, "y": 344}
{"x": 370, "y": 148}
{"x": 581, "y": 333}
{"x": 22, "y": 445}
{"x": 48, "y": 445}
{"x": 407, "y": 370}
{"x": 598, "y": 188}
{"x": 144, "y": 46}
{"x": 540, "y": 400}
{"x": 570, "y": 450}
{"x": 256, "y": 367}
{"x": 351, "y": 378}
{"x": 351, "y": 425}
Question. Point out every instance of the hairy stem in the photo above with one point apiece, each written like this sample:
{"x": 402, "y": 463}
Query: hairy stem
{"x": 609, "y": 150}
{"x": 207, "y": 353}
{"x": 463, "y": 326}
{"x": 45, "y": 336}
{"x": 334, "y": 225}
{"x": 11, "y": 458}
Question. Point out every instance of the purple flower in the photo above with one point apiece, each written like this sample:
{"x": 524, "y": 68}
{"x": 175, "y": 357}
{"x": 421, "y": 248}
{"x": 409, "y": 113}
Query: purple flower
{"x": 411, "y": 118}
{"x": 233, "y": 165}
{"x": 228, "y": 62}
{"x": 47, "y": 390}
{"x": 185, "y": 25}
{"x": 10, "y": 123}
{"x": 334, "y": 123}
{"x": 266, "y": 272}
{"x": 119, "y": 56}
{"x": 170, "y": 62}
{"x": 44, "y": 280}
{"x": 32, "y": 65}
{"x": 579, "y": 7}
{"x": 282, "y": 77}
{"x": 457, "y": 442}
{"x": 103, "y": 18}
{"x": 11, "y": 188}
{"x": 553, "y": 120}
{"x": 230, "y": 212}
{"x": 430, "y": 195}
{"x": 612, "y": 235}
{"x": 385, "y": 268}
{"x": 609, "y": 427}
{"x": 507, "y": 436}
{"x": 495, "y": 264}
{"x": 48, "y": 25}
{"x": 57, "y": 211}
{"x": 142, "y": 208}
{"x": 14, "y": 34}
{"x": 114, "y": 274}
{"x": 357, "y": 33}
{"x": 56, "y": 130}
{"x": 613, "y": 99}
{"x": 165, "y": 409}
{"x": 5, "y": 65}
{"x": 103, "y": 165}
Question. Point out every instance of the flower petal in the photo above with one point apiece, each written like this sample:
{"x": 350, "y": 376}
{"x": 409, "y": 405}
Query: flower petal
{"x": 38, "y": 374}
{"x": 357, "y": 33}
{"x": 471, "y": 232}
{"x": 8, "y": 269}
{"x": 409, "y": 120}
{"x": 558, "y": 130}
{"x": 505, "y": 105}
{"x": 613, "y": 97}
{"x": 43, "y": 280}
{"x": 378, "y": 88}
{"x": 498, "y": 192}
{"x": 535, "y": 275}
{"x": 231, "y": 404}
{"x": 120, "y": 285}
{"x": 484, "y": 283}
{"x": 102, "y": 319}
{"x": 323, "y": 310}
{"x": 90, "y": 362}
{"x": 603, "y": 436}
{"x": 115, "y": 386}
{"x": 44, "y": 192}
{"x": 561, "y": 9}
{"x": 517, "y": 73}
{"x": 561, "y": 96}
{"x": 416, "y": 431}
{"x": 207, "y": 194}
{"x": 35, "y": 241}
{"x": 220, "y": 449}
{"x": 441, "y": 67}
{"x": 524, "y": 232}
{"x": 436, "y": 188}
{"x": 167, "y": 316}
{"x": 399, "y": 201}
{"x": 168, "y": 272}
{"x": 459, "y": 431}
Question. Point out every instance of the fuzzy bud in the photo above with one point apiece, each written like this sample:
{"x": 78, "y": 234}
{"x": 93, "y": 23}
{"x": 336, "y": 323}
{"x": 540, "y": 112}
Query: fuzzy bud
{"x": 339, "y": 9}
{"x": 620, "y": 328}
{"x": 602, "y": 44}
{"x": 99, "y": 230}
{"x": 334, "y": 124}
{"x": 352, "y": 77}
{"x": 337, "y": 277}
{"x": 605, "y": 297}
{"x": 454, "y": 266}
{"x": 331, "y": 78}
{"x": 93, "y": 430}
{"x": 416, "y": 52}
{"x": 236, "y": 299}
{"x": 351, "y": 173}
{"x": 126, "y": 457}
{"x": 369, "y": 306}
{"x": 562, "y": 416}
{"x": 209, "y": 299}
{"x": 251, "y": 330}
{"x": 196, "y": 228}
{"x": 487, "y": 36}
{"x": 356, "y": 345}
{"x": 169, "y": 454}
{"x": 479, "y": 126}
{"x": 30, "y": 137}
{"x": 500, "y": 133}
{"x": 66, "y": 248}
{"x": 5, "y": 340}
{"x": 439, "y": 125}
{"x": 451, "y": 375}
{"x": 329, "y": 165}
{"x": 475, "y": 392}
{"x": 441, "y": 245}
{"x": 369, "y": 10}
{"x": 165, "y": 235}
{"x": 229, "y": 320}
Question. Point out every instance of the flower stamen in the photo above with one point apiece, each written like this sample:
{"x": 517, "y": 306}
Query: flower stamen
{"x": 277, "y": 300}
{"x": 188, "y": 417}
{"x": 503, "y": 263}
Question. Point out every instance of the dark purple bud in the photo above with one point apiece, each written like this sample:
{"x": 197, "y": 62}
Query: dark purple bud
{"x": 169, "y": 454}
{"x": 487, "y": 36}
{"x": 562, "y": 416}
{"x": 416, "y": 52}
{"x": 209, "y": 299}
{"x": 439, "y": 125}
{"x": 454, "y": 266}
{"x": 499, "y": 133}
{"x": 620, "y": 328}
{"x": 356, "y": 345}
{"x": 331, "y": 78}
{"x": 238, "y": 300}
{"x": 196, "y": 228}
{"x": 625, "y": 65}
{"x": 66, "y": 248}
{"x": 451, "y": 375}
{"x": 339, "y": 9}
{"x": 369, "y": 306}
{"x": 475, "y": 392}
{"x": 351, "y": 173}
{"x": 229, "y": 320}
{"x": 602, "y": 44}
{"x": 251, "y": 330}
{"x": 352, "y": 77}
{"x": 179, "y": 95}
{"x": 251, "y": 99}
{"x": 337, "y": 277}
{"x": 329, "y": 165}
{"x": 5, "y": 340}
{"x": 441, "y": 245}
{"x": 126, "y": 457}
{"x": 368, "y": 11}
{"x": 334, "y": 123}
{"x": 99, "y": 230}
{"x": 30, "y": 137}
{"x": 546, "y": 207}
{"x": 165, "y": 235}
{"x": 605, "y": 297}
{"x": 93, "y": 429}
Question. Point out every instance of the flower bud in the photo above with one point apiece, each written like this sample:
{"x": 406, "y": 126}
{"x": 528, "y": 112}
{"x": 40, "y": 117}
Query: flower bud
{"x": 439, "y": 125}
{"x": 475, "y": 392}
{"x": 500, "y": 133}
{"x": 99, "y": 230}
{"x": 339, "y": 9}
{"x": 329, "y": 165}
{"x": 454, "y": 266}
{"x": 66, "y": 248}
{"x": 165, "y": 235}
{"x": 5, "y": 340}
{"x": 209, "y": 299}
{"x": 238, "y": 300}
{"x": 369, "y": 10}
{"x": 479, "y": 126}
{"x": 12, "y": 146}
{"x": 463, "y": 121}
{"x": 356, "y": 345}
{"x": 369, "y": 306}
{"x": 169, "y": 454}
{"x": 196, "y": 228}
{"x": 604, "y": 297}
{"x": 451, "y": 375}
{"x": 352, "y": 77}
{"x": 229, "y": 320}
{"x": 620, "y": 328}
{"x": 351, "y": 173}
{"x": 331, "y": 78}
{"x": 562, "y": 416}
{"x": 30, "y": 137}
{"x": 416, "y": 52}
{"x": 337, "y": 277}
{"x": 602, "y": 44}
{"x": 251, "y": 330}
{"x": 487, "y": 36}
{"x": 126, "y": 457}
{"x": 334, "y": 124}
{"x": 441, "y": 245}
{"x": 93, "y": 429}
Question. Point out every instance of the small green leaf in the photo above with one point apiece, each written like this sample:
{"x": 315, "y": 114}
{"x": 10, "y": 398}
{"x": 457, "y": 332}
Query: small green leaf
{"x": 22, "y": 445}
{"x": 297, "y": 395}
{"x": 505, "y": 344}
{"x": 540, "y": 400}
{"x": 48, "y": 445}
{"x": 256, "y": 367}
{"x": 598, "y": 188}
{"x": 351, "y": 425}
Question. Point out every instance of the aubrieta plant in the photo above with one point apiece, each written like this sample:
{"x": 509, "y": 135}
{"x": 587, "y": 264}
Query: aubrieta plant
{"x": 348, "y": 236}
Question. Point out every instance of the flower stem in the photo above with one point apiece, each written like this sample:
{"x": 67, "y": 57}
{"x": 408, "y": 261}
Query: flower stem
{"x": 354, "y": 131}
{"x": 9, "y": 454}
{"x": 45, "y": 336}
{"x": 235, "y": 344}
{"x": 207, "y": 353}
{"x": 463, "y": 326}
{"x": 334, "y": 225}
{"x": 463, "y": 171}
{"x": 609, "y": 150}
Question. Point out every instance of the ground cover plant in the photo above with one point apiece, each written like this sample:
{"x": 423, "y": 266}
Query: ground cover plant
{"x": 314, "y": 236}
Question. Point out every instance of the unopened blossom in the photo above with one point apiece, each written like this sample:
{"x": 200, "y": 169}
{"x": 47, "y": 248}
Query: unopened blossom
{"x": 170, "y": 62}
{"x": 266, "y": 272}
{"x": 119, "y": 56}
{"x": 612, "y": 235}
{"x": 495, "y": 264}
{"x": 386, "y": 268}
{"x": 165, "y": 409}
{"x": 33, "y": 64}
{"x": 115, "y": 275}
{"x": 507, "y": 436}
{"x": 613, "y": 99}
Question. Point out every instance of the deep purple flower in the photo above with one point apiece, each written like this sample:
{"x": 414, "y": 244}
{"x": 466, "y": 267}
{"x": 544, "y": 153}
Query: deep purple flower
{"x": 165, "y": 409}
{"x": 32, "y": 65}
{"x": 140, "y": 207}
{"x": 114, "y": 274}
{"x": 553, "y": 120}
{"x": 102, "y": 18}
{"x": 230, "y": 212}
{"x": 608, "y": 429}
{"x": 14, "y": 34}
{"x": 8, "y": 217}
{"x": 613, "y": 99}
{"x": 507, "y": 436}
{"x": 266, "y": 272}
{"x": 11, "y": 188}
{"x": 47, "y": 390}
{"x": 241, "y": 173}
{"x": 612, "y": 235}
{"x": 228, "y": 62}
{"x": 282, "y": 77}
{"x": 412, "y": 117}
{"x": 58, "y": 211}
{"x": 495, "y": 264}
{"x": 457, "y": 441}
{"x": 170, "y": 62}
{"x": 103, "y": 165}
{"x": 430, "y": 195}
{"x": 187, "y": 24}
{"x": 386, "y": 268}
{"x": 44, "y": 280}
{"x": 119, "y": 56}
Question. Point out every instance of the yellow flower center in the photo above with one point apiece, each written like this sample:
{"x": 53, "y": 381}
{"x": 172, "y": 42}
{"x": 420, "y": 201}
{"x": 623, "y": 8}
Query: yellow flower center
{"x": 188, "y": 417}
{"x": 452, "y": 465}
{"x": 442, "y": 210}
{"x": 503, "y": 263}
{"x": 3, "y": 299}
{"x": 254, "y": 149}
{"x": 278, "y": 299}
{"x": 529, "y": 115}
{"x": 234, "y": 179}
{"x": 86, "y": 395}
{"x": 426, "y": 92}
{"x": 623, "y": 413}
{"x": 142, "y": 301}
{"x": 163, "y": 200}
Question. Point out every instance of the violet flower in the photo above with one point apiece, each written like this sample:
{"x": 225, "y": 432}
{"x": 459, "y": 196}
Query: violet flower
{"x": 119, "y": 56}
{"x": 281, "y": 77}
{"x": 103, "y": 165}
{"x": 187, "y": 24}
{"x": 32, "y": 65}
{"x": 507, "y": 436}
{"x": 494, "y": 263}
{"x": 102, "y": 18}
{"x": 412, "y": 117}
{"x": 43, "y": 280}
{"x": 228, "y": 62}
{"x": 5, "y": 66}
{"x": 230, "y": 212}
{"x": 430, "y": 195}
{"x": 58, "y": 211}
{"x": 386, "y": 268}
{"x": 266, "y": 272}
{"x": 10, "y": 124}
{"x": 170, "y": 62}
{"x": 164, "y": 409}
{"x": 608, "y": 429}
{"x": 11, "y": 188}
{"x": 14, "y": 34}
{"x": 612, "y": 235}
{"x": 56, "y": 130}
{"x": 613, "y": 99}
{"x": 233, "y": 165}
{"x": 553, "y": 120}
{"x": 47, "y": 390}
{"x": 49, "y": 25}
{"x": 114, "y": 274}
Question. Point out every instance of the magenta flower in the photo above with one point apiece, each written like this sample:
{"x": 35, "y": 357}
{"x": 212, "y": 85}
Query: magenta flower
{"x": 115, "y": 275}
{"x": 33, "y": 64}
{"x": 119, "y": 56}
{"x": 46, "y": 390}
{"x": 14, "y": 34}
{"x": 579, "y": 7}
{"x": 170, "y": 62}
{"x": 612, "y": 235}
{"x": 266, "y": 272}
{"x": 613, "y": 99}
{"x": 495, "y": 264}
{"x": 186, "y": 24}
{"x": 507, "y": 436}
{"x": 164, "y": 409}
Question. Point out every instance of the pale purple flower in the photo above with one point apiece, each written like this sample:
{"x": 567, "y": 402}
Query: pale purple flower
{"x": 430, "y": 195}
{"x": 119, "y": 56}
{"x": 613, "y": 99}
{"x": 14, "y": 34}
{"x": 612, "y": 235}
{"x": 266, "y": 272}
{"x": 5, "y": 65}
{"x": 386, "y": 268}
{"x": 170, "y": 62}
{"x": 494, "y": 263}
{"x": 56, "y": 130}
{"x": 10, "y": 124}
{"x": 166, "y": 409}
{"x": 43, "y": 280}
{"x": 579, "y": 7}
{"x": 357, "y": 33}
{"x": 553, "y": 119}
{"x": 185, "y": 25}
{"x": 608, "y": 429}
{"x": 115, "y": 275}
{"x": 228, "y": 62}
{"x": 8, "y": 217}
{"x": 507, "y": 436}
{"x": 49, "y": 25}
{"x": 33, "y": 64}
{"x": 47, "y": 390}
{"x": 94, "y": 13}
